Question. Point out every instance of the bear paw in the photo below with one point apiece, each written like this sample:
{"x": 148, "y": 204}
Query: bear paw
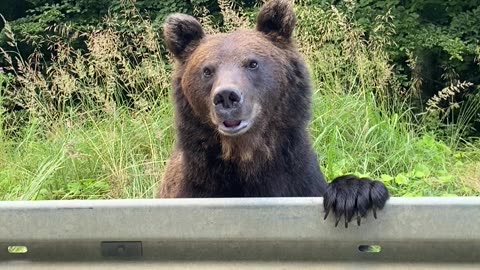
{"x": 350, "y": 196}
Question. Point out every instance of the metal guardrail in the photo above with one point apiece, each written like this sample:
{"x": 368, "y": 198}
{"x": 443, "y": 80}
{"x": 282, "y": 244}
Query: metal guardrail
{"x": 266, "y": 233}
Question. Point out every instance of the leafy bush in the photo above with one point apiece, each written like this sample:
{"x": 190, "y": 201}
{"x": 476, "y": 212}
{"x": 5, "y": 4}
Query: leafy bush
{"x": 433, "y": 45}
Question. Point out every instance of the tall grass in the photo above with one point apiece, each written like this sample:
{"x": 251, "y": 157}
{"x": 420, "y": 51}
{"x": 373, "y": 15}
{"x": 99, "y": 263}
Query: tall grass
{"x": 97, "y": 123}
{"x": 362, "y": 122}
{"x": 91, "y": 156}
{"x": 94, "y": 123}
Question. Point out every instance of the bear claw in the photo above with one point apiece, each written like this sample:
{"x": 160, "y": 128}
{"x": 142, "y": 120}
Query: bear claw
{"x": 348, "y": 196}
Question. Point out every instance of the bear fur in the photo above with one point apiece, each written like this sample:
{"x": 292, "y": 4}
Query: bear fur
{"x": 242, "y": 106}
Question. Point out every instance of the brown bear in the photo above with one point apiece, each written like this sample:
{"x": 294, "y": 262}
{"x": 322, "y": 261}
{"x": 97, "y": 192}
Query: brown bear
{"x": 242, "y": 105}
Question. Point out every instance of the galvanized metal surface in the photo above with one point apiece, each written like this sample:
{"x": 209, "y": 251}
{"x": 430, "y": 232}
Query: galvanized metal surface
{"x": 265, "y": 233}
{"x": 239, "y": 265}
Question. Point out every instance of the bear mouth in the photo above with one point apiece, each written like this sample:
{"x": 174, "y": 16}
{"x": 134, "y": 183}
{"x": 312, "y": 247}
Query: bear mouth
{"x": 233, "y": 127}
{"x": 232, "y": 123}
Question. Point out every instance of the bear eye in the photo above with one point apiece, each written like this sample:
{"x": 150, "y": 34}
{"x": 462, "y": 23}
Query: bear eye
{"x": 207, "y": 72}
{"x": 253, "y": 64}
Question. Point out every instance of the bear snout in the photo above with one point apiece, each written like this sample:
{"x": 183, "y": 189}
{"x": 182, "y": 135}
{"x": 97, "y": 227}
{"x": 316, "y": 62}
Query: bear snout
{"x": 232, "y": 113}
{"x": 228, "y": 103}
{"x": 227, "y": 98}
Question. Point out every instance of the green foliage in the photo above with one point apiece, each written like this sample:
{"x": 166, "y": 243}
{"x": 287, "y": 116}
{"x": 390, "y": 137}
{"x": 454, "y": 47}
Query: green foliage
{"x": 451, "y": 26}
{"x": 158, "y": 10}
{"x": 361, "y": 124}
{"x": 88, "y": 156}
{"x": 93, "y": 118}
{"x": 432, "y": 45}
{"x": 3, "y": 84}
{"x": 45, "y": 14}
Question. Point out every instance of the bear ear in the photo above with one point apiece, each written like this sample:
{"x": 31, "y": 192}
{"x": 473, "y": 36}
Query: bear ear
{"x": 277, "y": 19}
{"x": 182, "y": 34}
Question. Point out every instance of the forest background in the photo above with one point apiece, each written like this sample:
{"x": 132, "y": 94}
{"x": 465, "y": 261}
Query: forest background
{"x": 85, "y": 96}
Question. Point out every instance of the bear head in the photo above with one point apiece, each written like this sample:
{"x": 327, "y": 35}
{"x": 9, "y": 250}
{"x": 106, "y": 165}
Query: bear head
{"x": 247, "y": 84}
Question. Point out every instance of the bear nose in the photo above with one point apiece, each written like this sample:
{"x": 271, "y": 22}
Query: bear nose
{"x": 227, "y": 98}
